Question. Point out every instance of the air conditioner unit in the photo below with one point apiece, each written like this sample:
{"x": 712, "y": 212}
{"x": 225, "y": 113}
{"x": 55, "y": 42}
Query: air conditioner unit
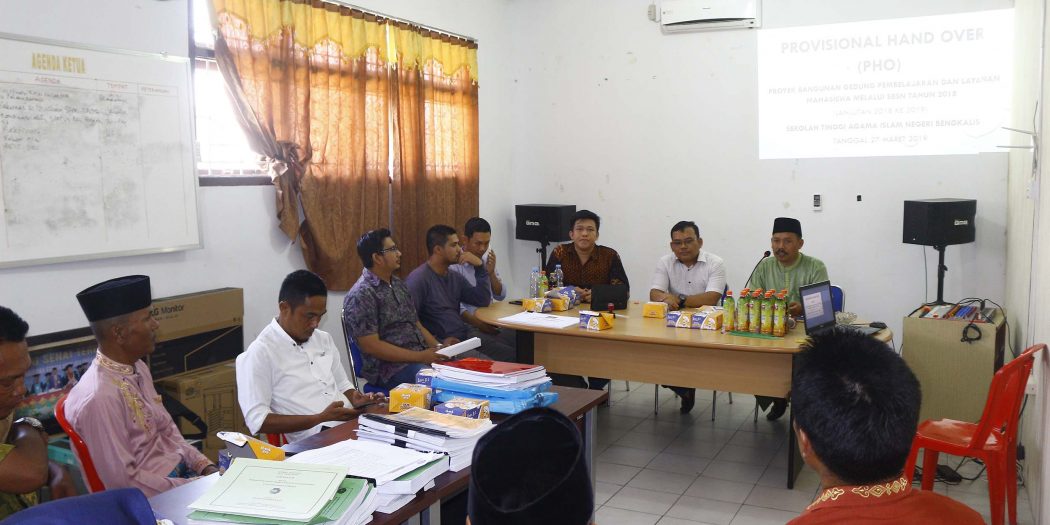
{"x": 677, "y": 16}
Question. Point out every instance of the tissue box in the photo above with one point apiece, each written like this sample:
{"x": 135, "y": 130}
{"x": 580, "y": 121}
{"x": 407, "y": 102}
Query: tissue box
{"x": 408, "y": 395}
{"x": 465, "y": 407}
{"x": 566, "y": 293}
{"x": 425, "y": 376}
{"x": 707, "y": 320}
{"x": 592, "y": 320}
{"x": 679, "y": 319}
{"x": 654, "y": 309}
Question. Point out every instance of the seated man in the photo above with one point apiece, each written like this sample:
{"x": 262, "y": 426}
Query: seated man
{"x": 788, "y": 268}
{"x": 115, "y": 408}
{"x": 476, "y": 252}
{"x": 290, "y": 380}
{"x": 584, "y": 264}
{"x": 688, "y": 278}
{"x": 438, "y": 292}
{"x": 856, "y": 411}
{"x": 530, "y": 469}
{"x": 24, "y": 467}
{"x": 380, "y": 313}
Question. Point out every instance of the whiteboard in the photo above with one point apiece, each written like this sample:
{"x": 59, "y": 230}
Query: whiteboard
{"x": 96, "y": 153}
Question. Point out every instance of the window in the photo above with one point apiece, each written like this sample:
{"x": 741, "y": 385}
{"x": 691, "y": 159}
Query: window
{"x": 223, "y": 154}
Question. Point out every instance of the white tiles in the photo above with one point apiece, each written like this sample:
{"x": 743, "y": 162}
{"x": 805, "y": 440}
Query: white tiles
{"x": 675, "y": 469}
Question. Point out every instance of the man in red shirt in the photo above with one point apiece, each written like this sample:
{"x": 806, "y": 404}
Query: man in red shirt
{"x": 856, "y": 407}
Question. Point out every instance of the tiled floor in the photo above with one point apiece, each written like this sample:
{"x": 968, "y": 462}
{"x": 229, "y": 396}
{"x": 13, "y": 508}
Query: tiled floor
{"x": 673, "y": 469}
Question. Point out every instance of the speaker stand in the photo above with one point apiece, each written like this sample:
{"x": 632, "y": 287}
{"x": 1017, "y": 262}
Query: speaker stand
{"x": 542, "y": 250}
{"x": 941, "y": 269}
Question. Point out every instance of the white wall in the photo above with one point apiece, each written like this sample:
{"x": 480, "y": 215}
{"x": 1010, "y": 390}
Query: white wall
{"x": 647, "y": 129}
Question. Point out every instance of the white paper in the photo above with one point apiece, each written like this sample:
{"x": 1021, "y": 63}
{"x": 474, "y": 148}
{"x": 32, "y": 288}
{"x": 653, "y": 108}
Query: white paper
{"x": 541, "y": 320}
{"x": 367, "y": 459}
{"x": 460, "y": 347}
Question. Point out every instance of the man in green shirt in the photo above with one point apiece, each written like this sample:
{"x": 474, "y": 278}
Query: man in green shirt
{"x": 788, "y": 268}
{"x": 24, "y": 468}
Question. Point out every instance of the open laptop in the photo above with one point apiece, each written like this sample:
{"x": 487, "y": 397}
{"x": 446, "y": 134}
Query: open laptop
{"x": 818, "y": 312}
{"x": 603, "y": 294}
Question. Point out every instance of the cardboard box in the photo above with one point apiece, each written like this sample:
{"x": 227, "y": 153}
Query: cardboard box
{"x": 408, "y": 395}
{"x": 425, "y": 376}
{"x": 197, "y": 330}
{"x": 211, "y": 393}
{"x": 707, "y": 318}
{"x": 680, "y": 319}
{"x": 465, "y": 407}
{"x": 592, "y": 320}
{"x": 654, "y": 309}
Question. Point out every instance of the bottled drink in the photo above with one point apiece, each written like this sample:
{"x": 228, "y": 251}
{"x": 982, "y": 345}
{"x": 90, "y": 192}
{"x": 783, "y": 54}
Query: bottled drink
{"x": 543, "y": 284}
{"x": 728, "y": 312}
{"x": 754, "y": 312}
{"x": 559, "y": 276}
{"x": 767, "y": 313}
{"x": 741, "y": 310}
{"x": 534, "y": 282}
{"x": 779, "y": 315}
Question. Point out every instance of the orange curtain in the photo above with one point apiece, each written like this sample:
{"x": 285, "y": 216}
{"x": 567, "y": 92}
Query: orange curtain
{"x": 310, "y": 83}
{"x": 434, "y": 102}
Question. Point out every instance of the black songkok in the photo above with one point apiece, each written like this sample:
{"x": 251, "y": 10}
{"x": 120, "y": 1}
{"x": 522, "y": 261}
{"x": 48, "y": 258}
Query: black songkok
{"x": 115, "y": 297}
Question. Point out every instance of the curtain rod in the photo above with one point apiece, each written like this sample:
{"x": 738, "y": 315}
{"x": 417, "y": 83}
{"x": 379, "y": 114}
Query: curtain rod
{"x": 399, "y": 19}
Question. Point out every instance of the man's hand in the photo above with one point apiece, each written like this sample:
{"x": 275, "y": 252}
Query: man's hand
{"x": 59, "y": 481}
{"x": 467, "y": 257}
{"x": 358, "y": 398}
{"x": 337, "y": 411}
{"x": 490, "y": 264}
{"x": 429, "y": 356}
{"x": 449, "y": 341}
{"x": 795, "y": 308}
{"x": 672, "y": 301}
{"x": 585, "y": 294}
{"x": 209, "y": 470}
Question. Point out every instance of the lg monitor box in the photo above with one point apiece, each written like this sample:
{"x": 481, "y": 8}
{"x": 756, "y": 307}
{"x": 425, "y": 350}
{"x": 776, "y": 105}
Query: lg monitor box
{"x": 543, "y": 222}
{"x": 939, "y": 222}
{"x": 196, "y": 330}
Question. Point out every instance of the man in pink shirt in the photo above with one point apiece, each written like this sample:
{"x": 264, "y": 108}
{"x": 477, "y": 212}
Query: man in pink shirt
{"x": 115, "y": 408}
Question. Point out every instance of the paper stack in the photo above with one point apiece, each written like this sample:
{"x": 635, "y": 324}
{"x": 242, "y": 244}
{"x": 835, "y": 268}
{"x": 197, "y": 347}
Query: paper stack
{"x": 508, "y": 387}
{"x": 423, "y": 430}
{"x": 378, "y": 462}
{"x": 260, "y": 492}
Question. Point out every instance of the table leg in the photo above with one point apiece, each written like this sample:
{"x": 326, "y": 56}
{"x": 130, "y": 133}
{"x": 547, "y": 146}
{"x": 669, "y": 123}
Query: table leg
{"x": 525, "y": 344}
{"x": 431, "y": 516}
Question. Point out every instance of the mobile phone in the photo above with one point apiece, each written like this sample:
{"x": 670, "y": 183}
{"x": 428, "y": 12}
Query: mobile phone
{"x": 370, "y": 403}
{"x": 518, "y": 303}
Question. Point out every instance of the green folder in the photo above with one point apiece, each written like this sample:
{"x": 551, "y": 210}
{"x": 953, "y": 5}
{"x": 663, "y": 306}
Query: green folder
{"x": 351, "y": 490}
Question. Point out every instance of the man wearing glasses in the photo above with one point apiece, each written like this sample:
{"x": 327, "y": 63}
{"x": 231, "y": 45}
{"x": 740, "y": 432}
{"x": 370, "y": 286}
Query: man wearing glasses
{"x": 688, "y": 277}
{"x": 290, "y": 380}
{"x": 379, "y": 312}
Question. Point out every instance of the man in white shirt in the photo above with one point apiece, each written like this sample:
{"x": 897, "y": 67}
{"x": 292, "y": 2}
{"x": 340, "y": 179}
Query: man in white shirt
{"x": 477, "y": 233}
{"x": 290, "y": 380}
{"x": 688, "y": 278}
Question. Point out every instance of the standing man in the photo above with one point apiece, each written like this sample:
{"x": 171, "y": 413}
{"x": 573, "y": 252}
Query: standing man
{"x": 115, "y": 408}
{"x": 788, "y": 268}
{"x": 438, "y": 292}
{"x": 478, "y": 234}
{"x": 290, "y": 380}
{"x": 24, "y": 467}
{"x": 584, "y": 264}
{"x": 856, "y": 411}
{"x": 379, "y": 312}
{"x": 688, "y": 277}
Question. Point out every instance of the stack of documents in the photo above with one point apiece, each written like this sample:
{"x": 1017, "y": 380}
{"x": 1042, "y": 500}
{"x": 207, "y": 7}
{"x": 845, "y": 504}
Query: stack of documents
{"x": 377, "y": 462}
{"x": 423, "y": 430}
{"x": 492, "y": 374}
{"x": 278, "y": 493}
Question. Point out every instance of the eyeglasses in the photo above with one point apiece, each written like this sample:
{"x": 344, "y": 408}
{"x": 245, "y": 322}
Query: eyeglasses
{"x": 390, "y": 249}
{"x": 679, "y": 243}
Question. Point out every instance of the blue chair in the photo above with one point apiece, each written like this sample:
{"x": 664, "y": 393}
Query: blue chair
{"x": 838, "y": 298}
{"x": 111, "y": 507}
{"x": 354, "y": 353}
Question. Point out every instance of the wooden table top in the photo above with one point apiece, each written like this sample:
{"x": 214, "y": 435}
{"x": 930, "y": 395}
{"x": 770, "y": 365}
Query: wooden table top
{"x": 573, "y": 402}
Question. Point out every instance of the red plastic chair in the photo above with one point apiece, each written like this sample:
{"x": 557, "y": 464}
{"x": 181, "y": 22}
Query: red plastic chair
{"x": 993, "y": 439}
{"x": 87, "y": 466}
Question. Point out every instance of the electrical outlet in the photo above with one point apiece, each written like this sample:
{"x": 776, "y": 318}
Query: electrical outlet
{"x": 817, "y": 202}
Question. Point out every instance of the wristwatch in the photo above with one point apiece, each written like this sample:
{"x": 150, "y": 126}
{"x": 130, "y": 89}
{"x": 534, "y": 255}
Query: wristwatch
{"x": 681, "y": 300}
{"x": 31, "y": 421}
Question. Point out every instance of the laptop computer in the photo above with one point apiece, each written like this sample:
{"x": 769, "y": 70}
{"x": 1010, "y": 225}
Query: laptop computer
{"x": 603, "y": 294}
{"x": 818, "y": 312}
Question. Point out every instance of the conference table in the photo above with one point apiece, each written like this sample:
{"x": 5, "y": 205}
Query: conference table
{"x": 576, "y": 403}
{"x": 646, "y": 350}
